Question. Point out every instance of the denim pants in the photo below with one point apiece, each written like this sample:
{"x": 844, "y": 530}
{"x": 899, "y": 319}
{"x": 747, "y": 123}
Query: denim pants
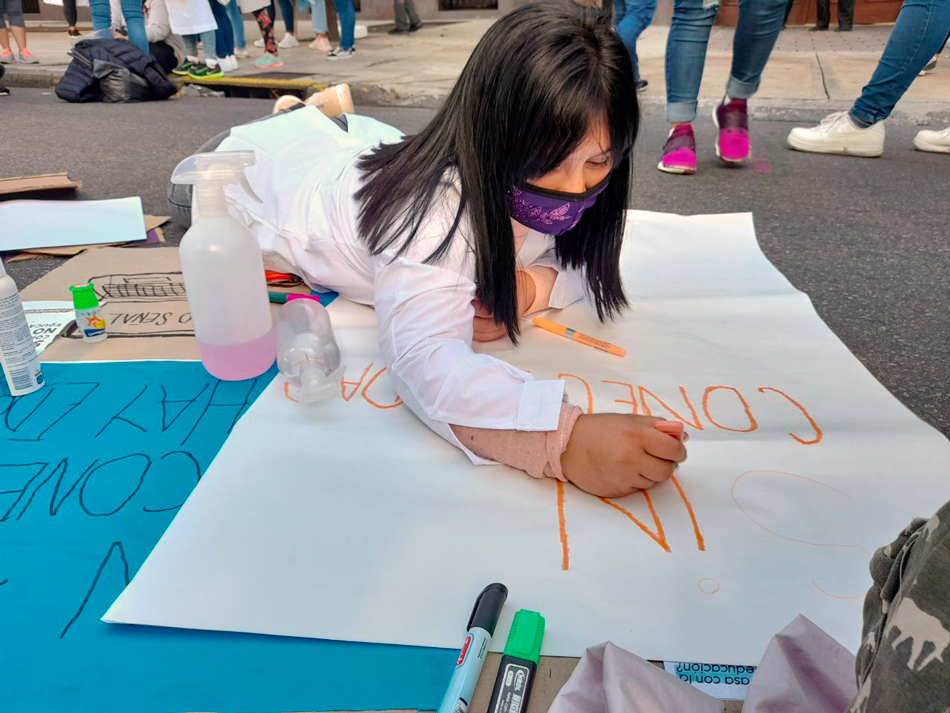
{"x": 207, "y": 41}
{"x": 224, "y": 35}
{"x": 632, "y": 17}
{"x": 760, "y": 22}
{"x": 318, "y": 16}
{"x": 237, "y": 24}
{"x": 920, "y": 30}
{"x": 287, "y": 11}
{"x": 344, "y": 8}
{"x": 134, "y": 21}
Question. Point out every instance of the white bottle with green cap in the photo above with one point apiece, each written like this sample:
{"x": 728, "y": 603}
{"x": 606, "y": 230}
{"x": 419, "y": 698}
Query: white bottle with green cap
{"x": 18, "y": 360}
{"x": 89, "y": 319}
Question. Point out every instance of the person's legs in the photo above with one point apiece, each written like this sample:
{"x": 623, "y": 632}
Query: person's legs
{"x": 70, "y": 13}
{"x": 209, "y": 43}
{"x": 224, "y": 35}
{"x": 788, "y": 11}
{"x": 318, "y": 17}
{"x": 101, "y": 12}
{"x": 760, "y": 22}
{"x": 414, "y": 21}
{"x": 135, "y": 23}
{"x": 287, "y": 12}
{"x": 344, "y": 8}
{"x": 845, "y": 14}
{"x": 823, "y": 11}
{"x": 237, "y": 24}
{"x": 920, "y": 30}
{"x": 400, "y": 15}
{"x": 270, "y": 58}
{"x": 686, "y": 57}
{"x": 635, "y": 17}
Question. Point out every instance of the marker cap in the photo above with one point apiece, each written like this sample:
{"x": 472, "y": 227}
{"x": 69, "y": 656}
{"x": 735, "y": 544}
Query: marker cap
{"x": 84, "y": 296}
{"x": 526, "y": 635}
{"x": 488, "y": 608}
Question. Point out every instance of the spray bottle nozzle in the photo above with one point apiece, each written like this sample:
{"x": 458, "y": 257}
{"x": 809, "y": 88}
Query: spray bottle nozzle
{"x": 219, "y": 168}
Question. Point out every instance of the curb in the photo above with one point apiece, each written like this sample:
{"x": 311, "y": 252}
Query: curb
{"x": 363, "y": 94}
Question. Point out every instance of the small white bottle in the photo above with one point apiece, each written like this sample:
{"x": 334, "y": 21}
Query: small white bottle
{"x": 224, "y": 272}
{"x": 89, "y": 319}
{"x": 307, "y": 354}
{"x": 18, "y": 360}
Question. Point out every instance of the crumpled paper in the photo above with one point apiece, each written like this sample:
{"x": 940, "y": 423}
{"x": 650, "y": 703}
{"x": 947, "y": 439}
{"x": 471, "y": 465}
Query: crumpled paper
{"x": 609, "y": 679}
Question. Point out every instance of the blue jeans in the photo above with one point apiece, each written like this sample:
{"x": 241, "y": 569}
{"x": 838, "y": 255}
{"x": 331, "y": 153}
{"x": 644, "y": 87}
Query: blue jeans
{"x": 224, "y": 35}
{"x": 632, "y": 18}
{"x": 318, "y": 16}
{"x": 287, "y": 11}
{"x": 344, "y": 8}
{"x": 760, "y": 22}
{"x": 920, "y": 30}
{"x": 207, "y": 41}
{"x": 237, "y": 24}
{"x": 134, "y": 21}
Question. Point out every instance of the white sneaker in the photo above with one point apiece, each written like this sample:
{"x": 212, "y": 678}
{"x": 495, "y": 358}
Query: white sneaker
{"x": 321, "y": 44}
{"x": 241, "y": 53}
{"x": 936, "y": 141}
{"x": 836, "y": 134}
{"x": 288, "y": 42}
{"x": 259, "y": 43}
{"x": 229, "y": 63}
{"x": 340, "y": 53}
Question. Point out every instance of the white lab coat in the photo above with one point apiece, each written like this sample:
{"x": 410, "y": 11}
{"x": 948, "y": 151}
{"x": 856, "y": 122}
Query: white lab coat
{"x": 307, "y": 224}
{"x": 190, "y": 17}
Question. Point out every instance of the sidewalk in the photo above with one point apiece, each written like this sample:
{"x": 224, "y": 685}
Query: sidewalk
{"x": 806, "y": 69}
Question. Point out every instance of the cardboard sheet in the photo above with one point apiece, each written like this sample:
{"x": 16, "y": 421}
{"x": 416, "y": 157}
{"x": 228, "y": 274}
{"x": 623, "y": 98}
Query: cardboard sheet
{"x": 93, "y": 467}
{"x": 36, "y": 184}
{"x": 377, "y": 530}
{"x": 46, "y": 224}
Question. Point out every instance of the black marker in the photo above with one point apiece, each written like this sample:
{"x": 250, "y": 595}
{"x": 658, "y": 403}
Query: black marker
{"x": 519, "y": 665}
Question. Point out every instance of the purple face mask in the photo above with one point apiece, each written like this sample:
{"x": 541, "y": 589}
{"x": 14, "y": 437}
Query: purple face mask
{"x": 551, "y": 212}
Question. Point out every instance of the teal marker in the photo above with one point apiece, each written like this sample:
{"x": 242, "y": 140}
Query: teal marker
{"x": 519, "y": 665}
{"x": 481, "y": 627}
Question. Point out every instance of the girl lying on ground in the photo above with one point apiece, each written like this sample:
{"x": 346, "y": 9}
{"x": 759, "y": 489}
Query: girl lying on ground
{"x": 510, "y": 201}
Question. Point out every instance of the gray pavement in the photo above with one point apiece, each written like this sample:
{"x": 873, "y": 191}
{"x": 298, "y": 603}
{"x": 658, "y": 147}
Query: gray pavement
{"x": 867, "y": 239}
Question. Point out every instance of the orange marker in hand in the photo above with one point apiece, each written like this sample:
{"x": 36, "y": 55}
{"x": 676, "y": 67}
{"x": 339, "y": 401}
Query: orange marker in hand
{"x": 569, "y": 333}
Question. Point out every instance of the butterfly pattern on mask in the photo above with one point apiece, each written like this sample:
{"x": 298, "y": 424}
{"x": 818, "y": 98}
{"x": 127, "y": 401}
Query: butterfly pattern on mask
{"x": 524, "y": 210}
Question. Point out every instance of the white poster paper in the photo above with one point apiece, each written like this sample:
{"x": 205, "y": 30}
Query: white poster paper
{"x": 47, "y": 320}
{"x": 47, "y": 224}
{"x": 349, "y": 520}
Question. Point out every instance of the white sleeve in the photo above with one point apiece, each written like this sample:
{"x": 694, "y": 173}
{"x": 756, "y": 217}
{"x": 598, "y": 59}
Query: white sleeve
{"x": 570, "y": 285}
{"x": 424, "y": 317}
{"x": 158, "y": 27}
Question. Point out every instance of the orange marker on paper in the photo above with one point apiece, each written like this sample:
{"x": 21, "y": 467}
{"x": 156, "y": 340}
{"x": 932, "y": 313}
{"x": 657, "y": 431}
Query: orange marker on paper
{"x": 670, "y": 428}
{"x": 569, "y": 333}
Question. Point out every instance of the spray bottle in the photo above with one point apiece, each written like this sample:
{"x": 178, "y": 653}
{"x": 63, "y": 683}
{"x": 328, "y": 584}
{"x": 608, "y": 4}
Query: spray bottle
{"x": 308, "y": 356}
{"x": 224, "y": 272}
{"x": 19, "y": 366}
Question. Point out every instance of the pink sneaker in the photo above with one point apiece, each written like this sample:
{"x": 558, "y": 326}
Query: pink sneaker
{"x": 679, "y": 153}
{"x": 732, "y": 120}
{"x": 7, "y": 57}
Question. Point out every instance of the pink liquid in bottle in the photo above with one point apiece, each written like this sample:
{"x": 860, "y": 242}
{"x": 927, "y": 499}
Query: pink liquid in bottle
{"x": 235, "y": 362}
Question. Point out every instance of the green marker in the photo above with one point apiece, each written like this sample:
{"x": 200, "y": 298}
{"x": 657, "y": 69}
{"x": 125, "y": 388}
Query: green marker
{"x": 519, "y": 665}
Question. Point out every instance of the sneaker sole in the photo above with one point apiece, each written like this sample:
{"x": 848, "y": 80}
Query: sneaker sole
{"x": 860, "y": 151}
{"x": 676, "y": 170}
{"x": 728, "y": 161}
{"x": 932, "y": 148}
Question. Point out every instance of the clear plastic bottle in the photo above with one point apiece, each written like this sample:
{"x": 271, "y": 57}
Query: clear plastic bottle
{"x": 307, "y": 354}
{"x": 224, "y": 272}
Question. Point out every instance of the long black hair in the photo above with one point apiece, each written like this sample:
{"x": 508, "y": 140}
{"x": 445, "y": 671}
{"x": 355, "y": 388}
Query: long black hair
{"x": 539, "y": 81}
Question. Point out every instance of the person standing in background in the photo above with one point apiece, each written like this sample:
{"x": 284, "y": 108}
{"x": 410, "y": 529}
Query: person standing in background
{"x": 131, "y": 11}
{"x": 318, "y": 19}
{"x": 13, "y": 10}
{"x": 845, "y": 16}
{"x": 346, "y": 49}
{"x": 72, "y": 17}
{"x": 632, "y": 17}
{"x": 289, "y": 40}
{"x": 237, "y": 28}
{"x": 760, "y": 22}
{"x": 407, "y": 19}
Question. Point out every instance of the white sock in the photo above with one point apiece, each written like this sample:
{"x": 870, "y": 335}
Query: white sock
{"x": 211, "y": 62}
{"x": 191, "y": 58}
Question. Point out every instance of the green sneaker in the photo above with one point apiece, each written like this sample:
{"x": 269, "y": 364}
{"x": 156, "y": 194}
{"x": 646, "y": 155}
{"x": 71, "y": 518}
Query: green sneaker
{"x": 184, "y": 68}
{"x": 203, "y": 71}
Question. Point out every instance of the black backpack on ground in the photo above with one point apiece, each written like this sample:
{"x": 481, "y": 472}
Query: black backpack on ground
{"x": 114, "y": 71}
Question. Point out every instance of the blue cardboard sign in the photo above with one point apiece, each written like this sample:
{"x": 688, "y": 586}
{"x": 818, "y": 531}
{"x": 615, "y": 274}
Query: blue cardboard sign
{"x": 93, "y": 467}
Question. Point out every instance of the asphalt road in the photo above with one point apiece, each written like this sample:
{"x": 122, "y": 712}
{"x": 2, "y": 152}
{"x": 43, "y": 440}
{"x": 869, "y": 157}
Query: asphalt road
{"x": 867, "y": 239}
